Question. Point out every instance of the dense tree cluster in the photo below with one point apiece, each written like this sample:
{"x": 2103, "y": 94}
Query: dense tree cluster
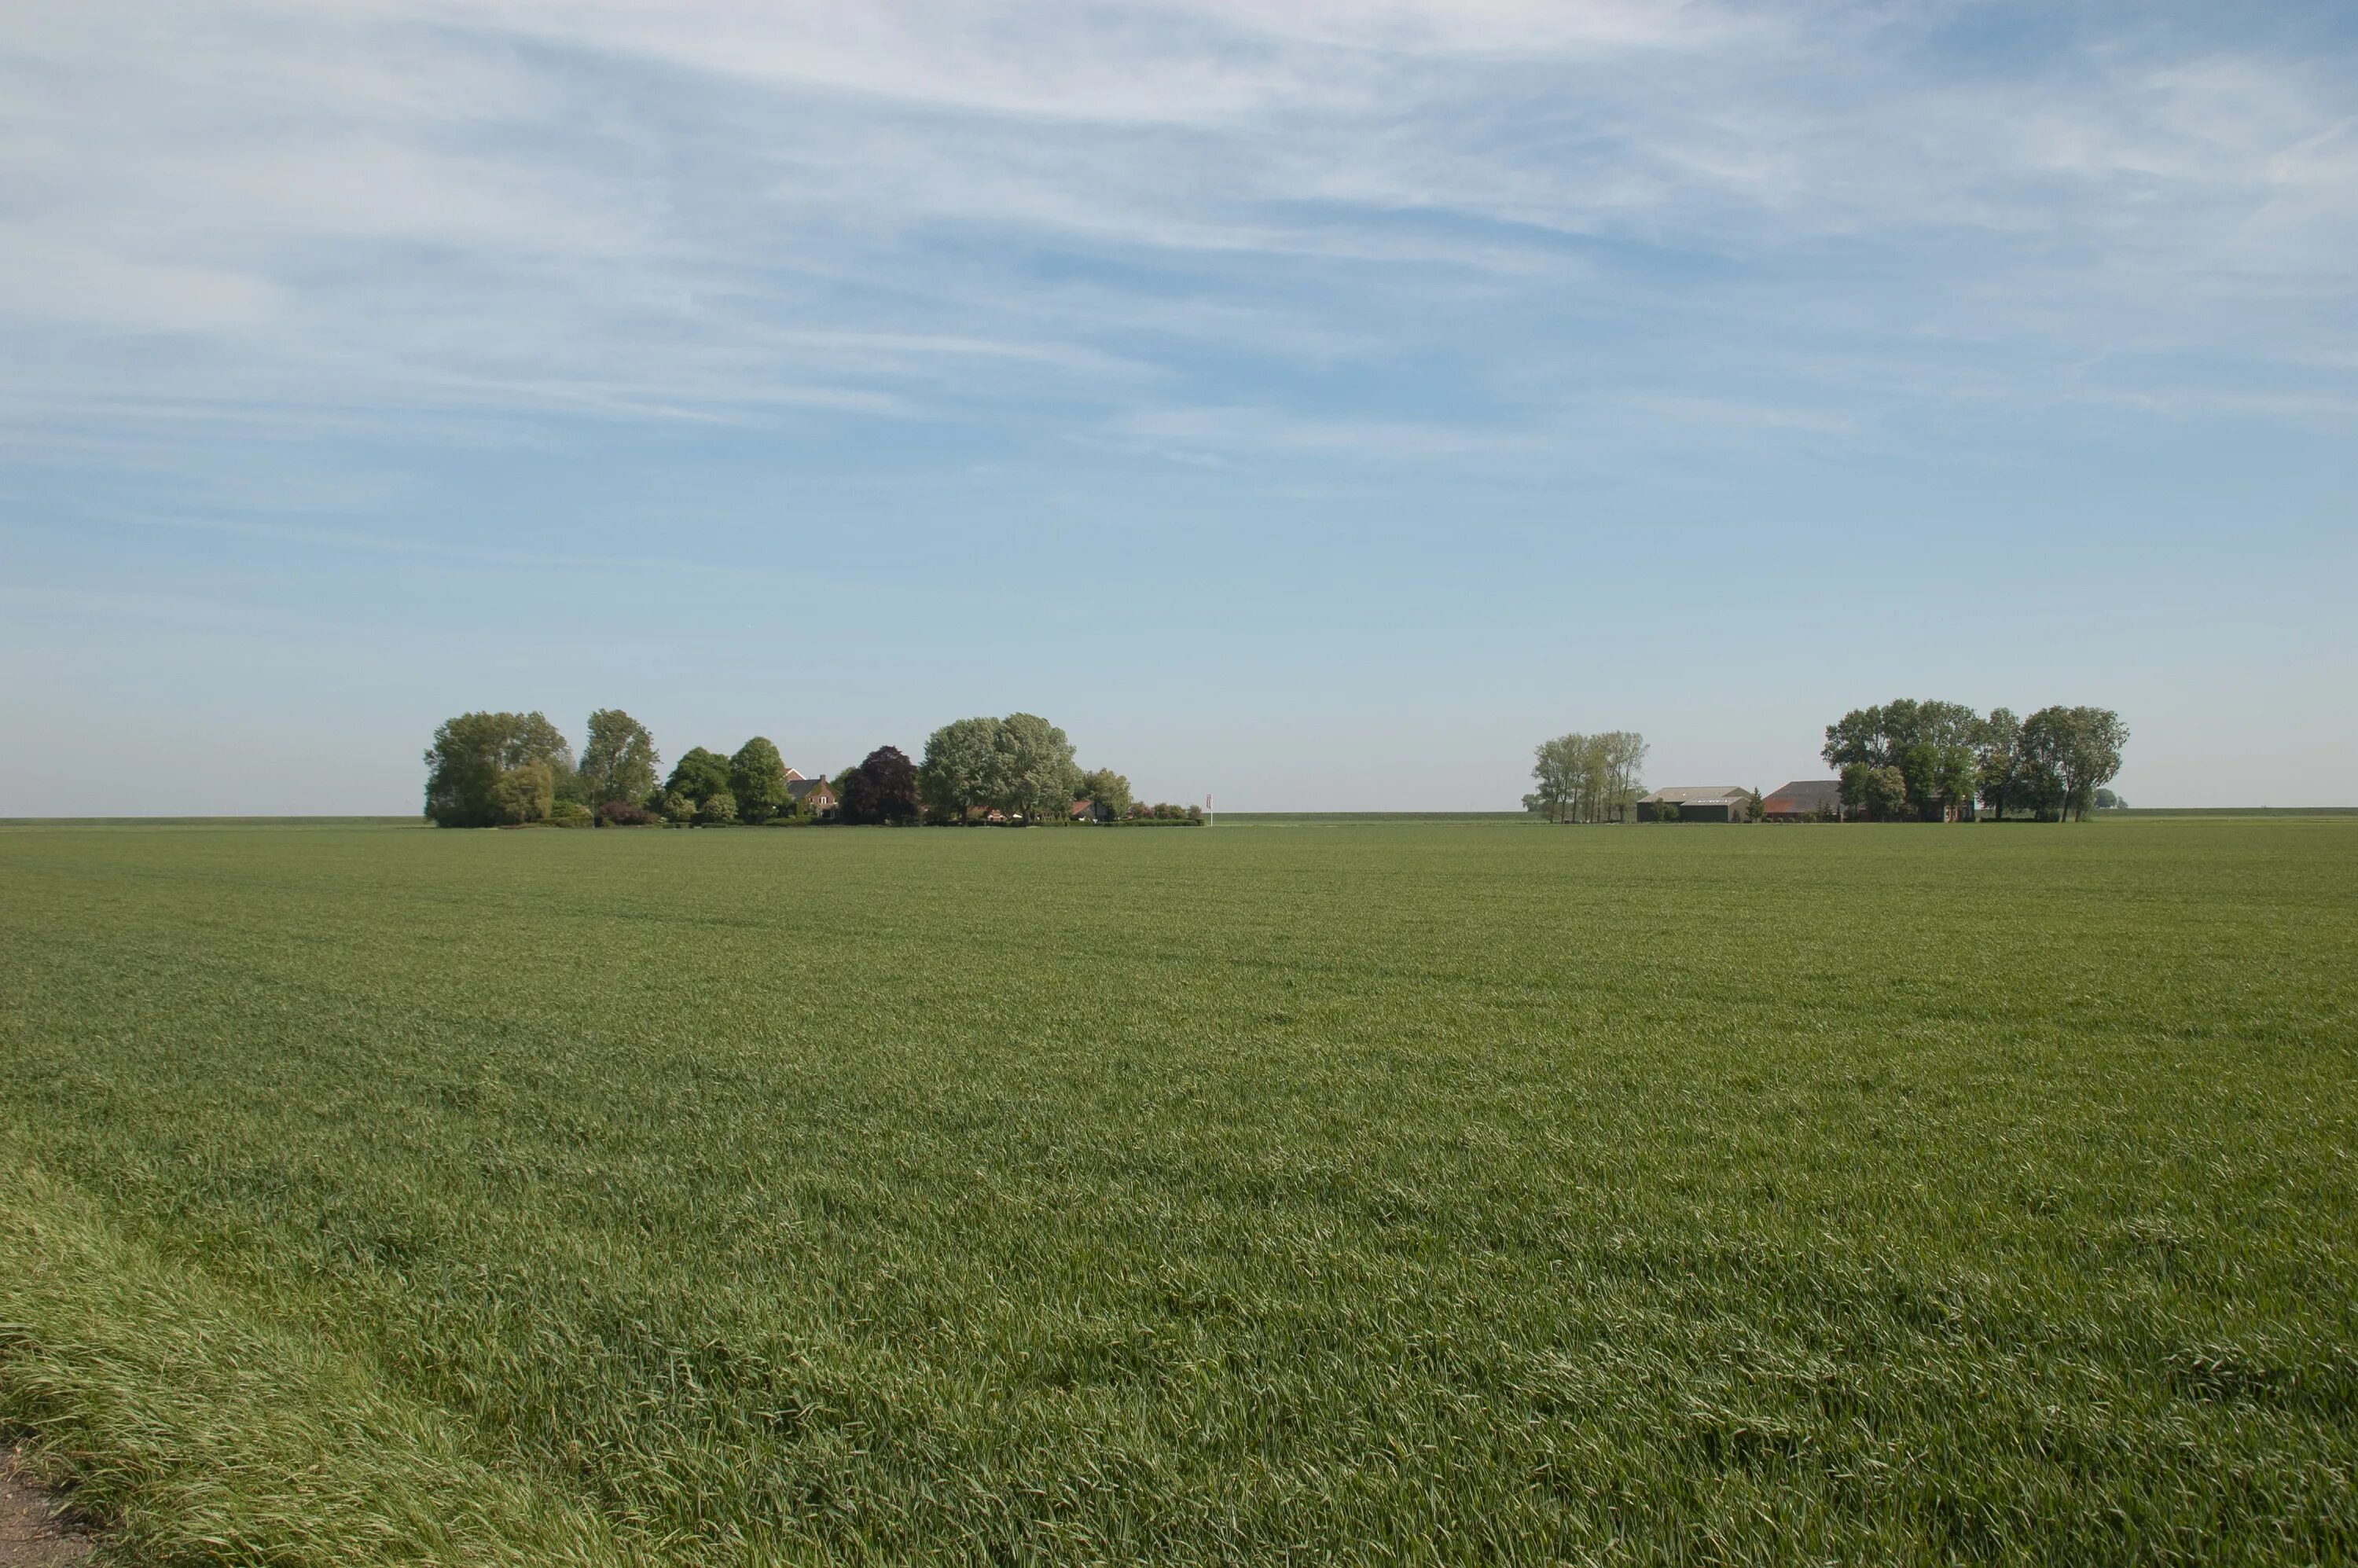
{"x": 1904, "y": 761}
{"x": 487, "y": 770}
{"x": 1021, "y": 768}
{"x": 1930, "y": 761}
{"x": 1587, "y": 778}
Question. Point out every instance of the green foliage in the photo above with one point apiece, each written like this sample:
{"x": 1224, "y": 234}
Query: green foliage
{"x": 2038, "y": 775}
{"x": 522, "y": 793}
{"x": 698, "y": 774}
{"x": 1035, "y": 775}
{"x": 1587, "y": 778}
{"x": 470, "y": 753}
{"x": 571, "y": 813}
{"x": 1876, "y": 794}
{"x": 1414, "y": 1193}
{"x": 718, "y": 809}
{"x": 1667, "y": 811}
{"x": 2078, "y": 748}
{"x": 677, "y": 809}
{"x": 1999, "y": 761}
{"x": 619, "y": 760}
{"x": 1935, "y": 747}
{"x": 1108, "y": 790}
{"x": 2051, "y": 762}
{"x": 960, "y": 772}
{"x": 757, "y": 778}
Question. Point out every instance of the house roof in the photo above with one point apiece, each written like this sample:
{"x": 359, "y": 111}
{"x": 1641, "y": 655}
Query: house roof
{"x": 1804, "y": 794}
{"x": 798, "y": 788}
{"x": 1689, "y": 794}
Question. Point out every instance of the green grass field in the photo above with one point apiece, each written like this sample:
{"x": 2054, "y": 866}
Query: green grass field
{"x": 1404, "y": 1192}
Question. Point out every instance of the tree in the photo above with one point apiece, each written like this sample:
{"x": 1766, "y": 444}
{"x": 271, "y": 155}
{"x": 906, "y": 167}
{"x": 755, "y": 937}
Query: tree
{"x": 1108, "y": 790}
{"x": 677, "y": 809}
{"x": 757, "y": 777}
{"x": 1556, "y": 769}
{"x": 883, "y": 788}
{"x": 1998, "y": 758}
{"x": 1754, "y": 806}
{"x": 718, "y": 809}
{"x": 1944, "y": 738}
{"x": 961, "y": 766}
{"x": 2038, "y": 764}
{"x": 845, "y": 782}
{"x": 525, "y": 793}
{"x": 1878, "y": 794}
{"x": 619, "y": 759}
{"x": 469, "y": 754}
{"x": 1625, "y": 763}
{"x": 2082, "y": 745}
{"x": 1587, "y": 778}
{"x": 1934, "y": 746}
{"x": 1036, "y": 773}
{"x": 698, "y": 774}
{"x": 1860, "y": 738}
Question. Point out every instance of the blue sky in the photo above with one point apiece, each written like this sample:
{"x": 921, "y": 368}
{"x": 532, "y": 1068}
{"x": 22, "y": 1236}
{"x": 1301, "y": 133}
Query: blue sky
{"x": 1317, "y": 404}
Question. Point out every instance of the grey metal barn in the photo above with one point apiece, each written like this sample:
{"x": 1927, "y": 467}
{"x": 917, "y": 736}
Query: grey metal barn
{"x": 1697, "y": 803}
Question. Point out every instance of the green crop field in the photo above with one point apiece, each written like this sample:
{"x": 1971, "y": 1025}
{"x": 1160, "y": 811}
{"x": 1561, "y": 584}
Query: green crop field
{"x": 1394, "y": 1192}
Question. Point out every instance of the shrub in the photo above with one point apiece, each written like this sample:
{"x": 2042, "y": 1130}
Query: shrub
{"x": 718, "y": 810}
{"x": 622, "y": 813}
{"x": 677, "y": 809}
{"x": 570, "y": 814}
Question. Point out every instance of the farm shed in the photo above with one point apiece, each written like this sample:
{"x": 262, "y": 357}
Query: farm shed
{"x": 1802, "y": 799}
{"x": 1697, "y": 803}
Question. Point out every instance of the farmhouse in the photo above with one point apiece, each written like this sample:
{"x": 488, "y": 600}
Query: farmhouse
{"x": 1697, "y": 803}
{"x": 816, "y": 794}
{"x": 1803, "y": 799}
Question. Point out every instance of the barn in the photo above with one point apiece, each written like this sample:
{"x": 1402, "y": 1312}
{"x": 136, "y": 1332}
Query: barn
{"x": 1802, "y": 800}
{"x": 1698, "y": 803}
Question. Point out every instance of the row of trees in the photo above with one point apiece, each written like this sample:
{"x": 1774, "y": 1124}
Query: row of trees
{"x": 1587, "y": 778}
{"x": 487, "y": 770}
{"x": 1930, "y": 761}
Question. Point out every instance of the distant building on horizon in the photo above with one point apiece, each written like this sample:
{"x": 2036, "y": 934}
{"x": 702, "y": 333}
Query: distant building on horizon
{"x": 1803, "y": 799}
{"x": 1698, "y": 803}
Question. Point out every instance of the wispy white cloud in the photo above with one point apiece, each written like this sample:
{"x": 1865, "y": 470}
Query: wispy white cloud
{"x": 749, "y": 211}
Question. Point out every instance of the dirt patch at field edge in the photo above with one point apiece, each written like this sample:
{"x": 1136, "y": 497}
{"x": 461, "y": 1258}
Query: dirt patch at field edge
{"x": 34, "y": 1531}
